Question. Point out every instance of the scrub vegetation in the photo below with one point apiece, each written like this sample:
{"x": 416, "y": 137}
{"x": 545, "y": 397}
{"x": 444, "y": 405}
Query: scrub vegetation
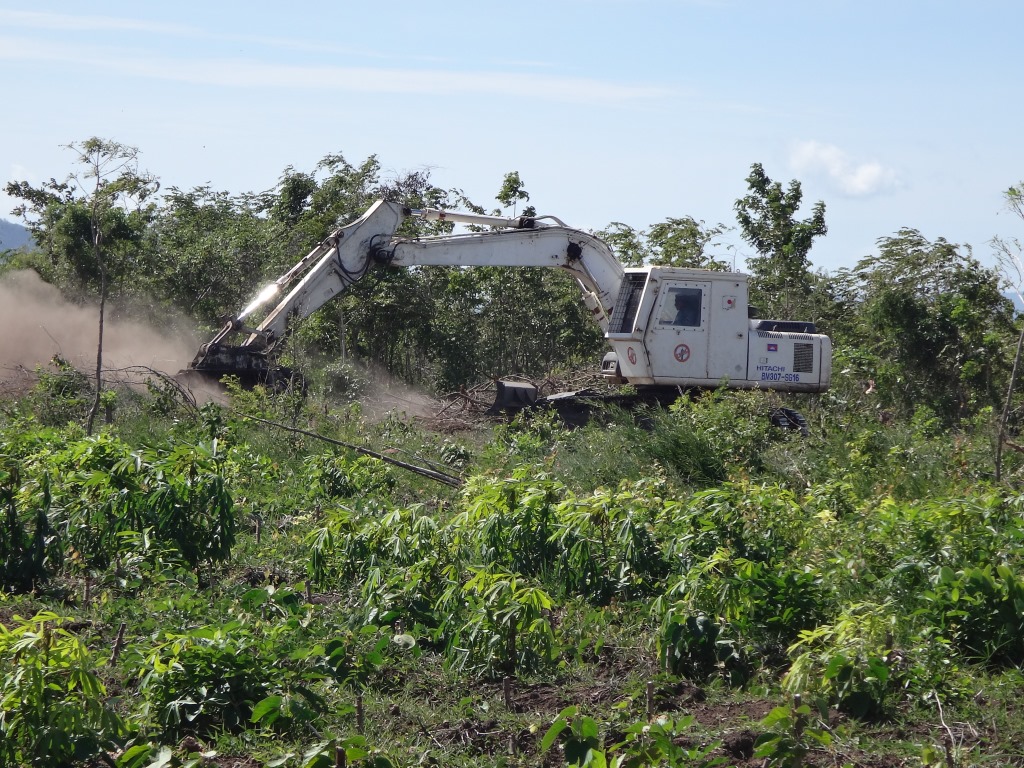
{"x": 214, "y": 584}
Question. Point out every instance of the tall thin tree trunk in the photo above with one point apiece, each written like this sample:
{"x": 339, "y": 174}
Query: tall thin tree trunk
{"x": 99, "y": 343}
{"x": 1006, "y": 408}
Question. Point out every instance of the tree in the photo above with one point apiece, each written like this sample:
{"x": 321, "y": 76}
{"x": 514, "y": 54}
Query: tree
{"x": 500, "y": 321}
{"x": 630, "y": 245}
{"x": 213, "y": 251}
{"x": 340, "y": 193}
{"x": 1009, "y": 252}
{"x": 937, "y": 323}
{"x": 781, "y": 275}
{"x": 61, "y": 220}
{"x": 113, "y": 169}
{"x": 512, "y": 191}
{"x": 93, "y": 222}
{"x": 685, "y": 242}
{"x": 675, "y": 242}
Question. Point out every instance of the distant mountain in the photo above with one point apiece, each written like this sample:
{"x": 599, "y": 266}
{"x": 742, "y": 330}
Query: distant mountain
{"x": 13, "y": 236}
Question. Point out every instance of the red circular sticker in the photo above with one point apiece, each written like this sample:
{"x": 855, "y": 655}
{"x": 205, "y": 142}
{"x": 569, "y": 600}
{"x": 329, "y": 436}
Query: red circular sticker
{"x": 631, "y": 354}
{"x": 682, "y": 353}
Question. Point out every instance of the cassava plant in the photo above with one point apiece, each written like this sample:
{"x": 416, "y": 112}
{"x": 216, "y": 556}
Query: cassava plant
{"x": 28, "y": 555}
{"x": 53, "y": 705}
{"x": 850, "y": 662}
{"x": 497, "y": 625}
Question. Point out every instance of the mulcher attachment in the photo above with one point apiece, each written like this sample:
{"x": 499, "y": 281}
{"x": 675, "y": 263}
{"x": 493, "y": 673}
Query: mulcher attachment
{"x": 513, "y": 396}
{"x": 252, "y": 367}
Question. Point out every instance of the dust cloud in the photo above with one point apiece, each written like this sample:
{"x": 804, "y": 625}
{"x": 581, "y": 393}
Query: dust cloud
{"x": 36, "y": 323}
{"x": 385, "y": 397}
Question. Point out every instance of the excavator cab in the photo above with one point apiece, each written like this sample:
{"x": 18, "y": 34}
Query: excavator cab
{"x": 687, "y": 328}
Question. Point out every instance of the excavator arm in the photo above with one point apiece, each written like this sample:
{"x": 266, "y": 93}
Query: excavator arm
{"x": 586, "y": 258}
{"x": 349, "y": 252}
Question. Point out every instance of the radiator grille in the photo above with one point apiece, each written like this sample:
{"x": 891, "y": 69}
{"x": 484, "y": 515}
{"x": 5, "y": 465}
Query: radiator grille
{"x": 803, "y": 358}
{"x": 624, "y": 313}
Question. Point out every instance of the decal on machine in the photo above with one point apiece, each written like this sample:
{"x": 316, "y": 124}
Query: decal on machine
{"x": 777, "y": 373}
{"x": 681, "y": 353}
{"x": 631, "y": 356}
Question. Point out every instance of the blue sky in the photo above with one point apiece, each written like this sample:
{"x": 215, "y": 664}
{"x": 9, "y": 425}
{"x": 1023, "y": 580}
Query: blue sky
{"x": 896, "y": 114}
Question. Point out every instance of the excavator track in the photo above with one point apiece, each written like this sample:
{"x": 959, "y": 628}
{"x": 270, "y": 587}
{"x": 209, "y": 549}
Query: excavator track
{"x": 579, "y": 408}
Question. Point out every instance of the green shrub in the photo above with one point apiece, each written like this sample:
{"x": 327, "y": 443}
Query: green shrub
{"x": 214, "y": 678}
{"x": 765, "y": 605}
{"x": 598, "y": 546}
{"x": 510, "y": 522}
{"x": 27, "y": 558}
{"x": 104, "y": 489}
{"x": 608, "y": 542}
{"x": 790, "y": 733}
{"x": 764, "y": 523}
{"x": 53, "y": 706}
{"x": 497, "y": 625}
{"x": 981, "y": 610}
{"x": 696, "y": 646}
{"x": 61, "y": 395}
{"x": 664, "y": 742}
{"x": 733, "y": 424}
{"x": 849, "y": 662}
{"x": 331, "y": 476}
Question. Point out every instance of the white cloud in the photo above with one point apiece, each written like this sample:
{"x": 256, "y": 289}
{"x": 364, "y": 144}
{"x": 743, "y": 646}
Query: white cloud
{"x": 513, "y": 78}
{"x": 856, "y": 179}
{"x": 247, "y": 73}
{"x": 67, "y": 22}
{"x": 57, "y": 23}
{"x": 253, "y": 74}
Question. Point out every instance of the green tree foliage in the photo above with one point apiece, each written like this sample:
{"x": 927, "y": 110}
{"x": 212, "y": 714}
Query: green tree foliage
{"x": 456, "y": 332}
{"x": 512, "y": 192}
{"x": 935, "y": 322}
{"x": 294, "y": 190}
{"x": 781, "y": 269}
{"x": 675, "y": 242}
{"x": 208, "y": 253}
{"x": 212, "y": 250}
{"x": 530, "y": 321}
{"x": 445, "y": 327}
{"x": 449, "y": 327}
{"x": 93, "y": 224}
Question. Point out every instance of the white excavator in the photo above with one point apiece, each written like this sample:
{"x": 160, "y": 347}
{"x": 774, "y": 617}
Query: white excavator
{"x": 670, "y": 329}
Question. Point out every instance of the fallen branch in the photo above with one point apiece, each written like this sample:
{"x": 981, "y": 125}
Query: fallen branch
{"x": 440, "y": 477}
{"x": 1015, "y": 446}
{"x": 170, "y": 382}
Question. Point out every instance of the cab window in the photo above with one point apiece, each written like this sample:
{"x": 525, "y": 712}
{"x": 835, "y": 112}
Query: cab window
{"x": 682, "y": 307}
